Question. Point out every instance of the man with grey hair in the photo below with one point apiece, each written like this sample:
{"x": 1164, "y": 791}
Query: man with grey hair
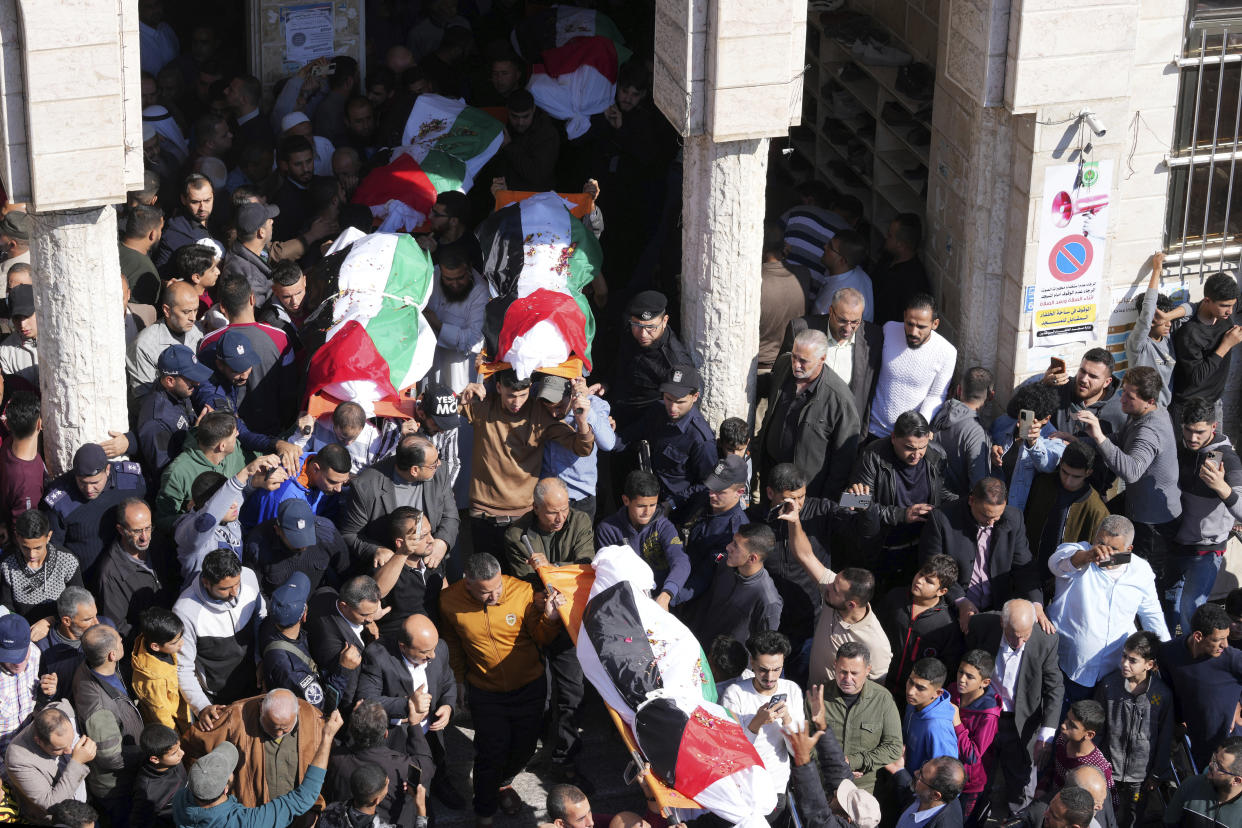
{"x": 494, "y": 626}
{"x": 811, "y": 419}
{"x": 1100, "y": 587}
{"x": 76, "y": 612}
{"x": 275, "y": 734}
{"x": 1028, "y": 681}
{"x": 108, "y": 717}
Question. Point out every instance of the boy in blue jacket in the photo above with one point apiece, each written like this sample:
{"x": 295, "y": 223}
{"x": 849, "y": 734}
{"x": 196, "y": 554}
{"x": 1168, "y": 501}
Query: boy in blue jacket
{"x": 927, "y": 725}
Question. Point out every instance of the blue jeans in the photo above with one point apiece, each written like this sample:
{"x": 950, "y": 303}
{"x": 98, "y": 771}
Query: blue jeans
{"x": 1189, "y": 580}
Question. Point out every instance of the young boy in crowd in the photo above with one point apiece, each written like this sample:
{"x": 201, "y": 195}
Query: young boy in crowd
{"x": 155, "y": 670}
{"x": 927, "y": 725}
{"x": 159, "y": 778}
{"x": 639, "y": 525}
{"x": 1075, "y": 744}
{"x": 920, "y": 623}
{"x": 975, "y": 721}
{"x": 1138, "y": 725}
{"x": 733, "y": 438}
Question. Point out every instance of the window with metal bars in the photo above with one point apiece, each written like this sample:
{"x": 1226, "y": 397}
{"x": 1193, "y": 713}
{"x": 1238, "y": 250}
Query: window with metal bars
{"x": 1204, "y": 223}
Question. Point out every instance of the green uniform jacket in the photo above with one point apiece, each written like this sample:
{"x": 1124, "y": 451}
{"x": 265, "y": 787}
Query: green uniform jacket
{"x": 179, "y": 477}
{"x": 573, "y": 544}
{"x": 869, "y": 732}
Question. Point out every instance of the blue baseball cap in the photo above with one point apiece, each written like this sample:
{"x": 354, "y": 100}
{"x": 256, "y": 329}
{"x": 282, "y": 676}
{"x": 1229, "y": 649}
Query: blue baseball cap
{"x": 179, "y": 361}
{"x": 236, "y": 351}
{"x": 297, "y": 522}
{"x": 14, "y": 639}
{"x": 289, "y": 600}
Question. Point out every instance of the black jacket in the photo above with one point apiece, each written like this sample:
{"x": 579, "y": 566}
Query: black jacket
{"x": 640, "y": 371}
{"x": 868, "y": 353}
{"x": 327, "y": 633}
{"x": 876, "y": 468}
{"x": 153, "y": 795}
{"x": 952, "y": 531}
{"x": 935, "y": 633}
{"x": 1040, "y": 686}
{"x": 373, "y": 498}
{"x": 386, "y": 679}
{"x": 397, "y": 807}
{"x": 826, "y": 442}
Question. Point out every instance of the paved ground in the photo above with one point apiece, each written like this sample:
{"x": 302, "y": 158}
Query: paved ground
{"x": 603, "y": 761}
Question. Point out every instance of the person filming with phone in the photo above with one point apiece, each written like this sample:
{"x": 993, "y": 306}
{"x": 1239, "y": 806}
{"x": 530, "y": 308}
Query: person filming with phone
{"x": 1210, "y": 479}
{"x": 1098, "y": 583}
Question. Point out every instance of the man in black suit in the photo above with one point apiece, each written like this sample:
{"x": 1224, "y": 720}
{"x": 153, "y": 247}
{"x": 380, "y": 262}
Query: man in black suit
{"x": 855, "y": 347}
{"x": 335, "y": 621}
{"x": 367, "y": 741}
{"x": 1029, "y": 683}
{"x": 413, "y": 681}
{"x": 984, "y": 521}
{"x": 414, "y": 476}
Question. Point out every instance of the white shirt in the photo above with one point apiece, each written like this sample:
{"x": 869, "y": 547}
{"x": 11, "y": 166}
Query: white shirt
{"x": 1094, "y": 611}
{"x": 1005, "y": 681}
{"x": 418, "y": 678}
{"x": 743, "y": 700}
{"x": 855, "y": 278}
{"x": 369, "y": 446}
{"x": 910, "y": 378}
{"x": 461, "y": 334}
{"x": 840, "y": 357}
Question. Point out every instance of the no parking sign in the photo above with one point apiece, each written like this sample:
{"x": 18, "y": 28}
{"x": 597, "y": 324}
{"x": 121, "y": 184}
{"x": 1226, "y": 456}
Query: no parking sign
{"x": 1069, "y": 265}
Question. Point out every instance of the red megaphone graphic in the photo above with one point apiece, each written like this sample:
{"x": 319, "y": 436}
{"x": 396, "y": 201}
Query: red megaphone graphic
{"x": 1065, "y": 208}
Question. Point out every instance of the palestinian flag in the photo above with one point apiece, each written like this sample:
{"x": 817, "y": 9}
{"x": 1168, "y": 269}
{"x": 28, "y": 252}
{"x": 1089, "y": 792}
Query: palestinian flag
{"x": 534, "y": 250}
{"x": 372, "y": 340}
{"x": 649, "y": 668}
{"x": 558, "y": 25}
{"x": 444, "y": 146}
{"x": 575, "y": 81}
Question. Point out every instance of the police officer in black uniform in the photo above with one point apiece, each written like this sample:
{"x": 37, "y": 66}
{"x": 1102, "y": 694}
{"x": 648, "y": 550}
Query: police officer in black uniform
{"x": 81, "y": 504}
{"x": 680, "y": 442}
{"x": 296, "y": 541}
{"x": 226, "y": 390}
{"x": 166, "y": 413}
{"x": 644, "y": 358}
{"x": 286, "y": 659}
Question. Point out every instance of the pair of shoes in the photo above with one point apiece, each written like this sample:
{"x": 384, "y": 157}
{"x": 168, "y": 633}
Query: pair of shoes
{"x": 850, "y": 72}
{"x": 510, "y": 802}
{"x": 874, "y": 53}
{"x": 919, "y": 136}
{"x": 444, "y": 791}
{"x": 916, "y": 81}
{"x": 918, "y": 173}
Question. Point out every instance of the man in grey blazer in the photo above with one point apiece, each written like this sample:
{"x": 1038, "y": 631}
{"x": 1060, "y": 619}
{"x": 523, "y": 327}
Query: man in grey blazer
{"x": 1028, "y": 680}
{"x": 413, "y": 476}
{"x": 852, "y": 341}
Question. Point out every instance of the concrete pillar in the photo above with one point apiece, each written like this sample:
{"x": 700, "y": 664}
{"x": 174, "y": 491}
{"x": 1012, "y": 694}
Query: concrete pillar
{"x": 722, "y": 239}
{"x": 81, "y": 332}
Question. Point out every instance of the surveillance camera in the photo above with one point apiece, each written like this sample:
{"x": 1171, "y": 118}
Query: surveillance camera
{"x": 1094, "y": 122}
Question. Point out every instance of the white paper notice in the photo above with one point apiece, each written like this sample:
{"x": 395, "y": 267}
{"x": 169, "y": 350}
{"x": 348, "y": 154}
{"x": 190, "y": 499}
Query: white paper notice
{"x": 308, "y": 33}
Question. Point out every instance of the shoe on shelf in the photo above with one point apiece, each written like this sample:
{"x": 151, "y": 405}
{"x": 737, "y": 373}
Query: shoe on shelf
{"x": 848, "y": 178}
{"x": 916, "y": 81}
{"x": 920, "y": 136}
{"x": 894, "y": 114}
{"x": 874, "y": 53}
{"x": 918, "y": 173}
{"x": 850, "y": 72}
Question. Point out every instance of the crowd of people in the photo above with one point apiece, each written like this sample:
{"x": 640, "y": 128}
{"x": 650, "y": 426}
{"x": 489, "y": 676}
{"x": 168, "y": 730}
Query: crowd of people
{"x": 922, "y": 609}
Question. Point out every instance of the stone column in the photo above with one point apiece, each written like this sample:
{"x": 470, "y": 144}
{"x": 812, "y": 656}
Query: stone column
{"x": 722, "y": 239}
{"x": 81, "y": 332}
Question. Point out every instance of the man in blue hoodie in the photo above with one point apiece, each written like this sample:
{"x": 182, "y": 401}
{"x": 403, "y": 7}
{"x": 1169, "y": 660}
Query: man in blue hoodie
{"x": 928, "y": 721}
{"x": 206, "y": 803}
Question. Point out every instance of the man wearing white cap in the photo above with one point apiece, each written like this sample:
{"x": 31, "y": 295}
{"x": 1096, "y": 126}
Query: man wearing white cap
{"x": 206, "y": 800}
{"x": 297, "y": 123}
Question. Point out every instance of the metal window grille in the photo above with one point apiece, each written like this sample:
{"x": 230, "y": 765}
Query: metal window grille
{"x": 1204, "y": 221}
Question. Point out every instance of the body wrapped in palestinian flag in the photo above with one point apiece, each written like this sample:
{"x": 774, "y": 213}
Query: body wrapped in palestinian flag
{"x": 444, "y": 146}
{"x": 650, "y": 669}
{"x": 537, "y": 258}
{"x": 368, "y": 335}
{"x": 574, "y": 54}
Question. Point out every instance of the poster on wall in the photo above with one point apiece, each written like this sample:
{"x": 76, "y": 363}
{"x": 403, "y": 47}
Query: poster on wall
{"x": 309, "y": 33}
{"x": 1069, "y": 266}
